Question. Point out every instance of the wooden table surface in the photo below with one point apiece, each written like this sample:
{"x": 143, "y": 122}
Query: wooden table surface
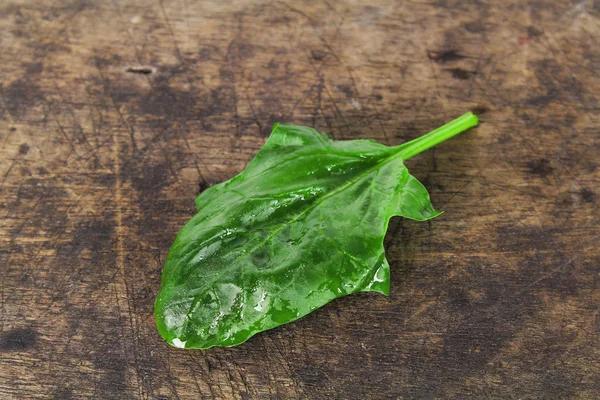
{"x": 114, "y": 115}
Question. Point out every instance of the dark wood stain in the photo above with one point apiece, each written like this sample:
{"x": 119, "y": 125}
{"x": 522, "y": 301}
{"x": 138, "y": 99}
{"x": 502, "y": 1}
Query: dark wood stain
{"x": 445, "y": 56}
{"x": 460, "y": 73}
{"x": 113, "y": 119}
{"x": 318, "y": 55}
{"x": 533, "y": 31}
{"x": 139, "y": 70}
{"x": 541, "y": 167}
{"x": 588, "y": 195}
{"x": 23, "y": 149}
{"x": 64, "y": 393}
{"x": 19, "y": 339}
{"x": 20, "y": 95}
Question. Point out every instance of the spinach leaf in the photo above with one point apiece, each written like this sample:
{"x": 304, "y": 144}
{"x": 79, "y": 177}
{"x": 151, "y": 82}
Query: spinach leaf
{"x": 303, "y": 224}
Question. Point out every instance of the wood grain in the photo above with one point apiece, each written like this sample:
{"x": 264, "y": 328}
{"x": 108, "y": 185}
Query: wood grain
{"x": 114, "y": 115}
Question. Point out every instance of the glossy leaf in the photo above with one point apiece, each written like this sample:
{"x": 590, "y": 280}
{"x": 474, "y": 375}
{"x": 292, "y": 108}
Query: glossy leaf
{"x": 303, "y": 224}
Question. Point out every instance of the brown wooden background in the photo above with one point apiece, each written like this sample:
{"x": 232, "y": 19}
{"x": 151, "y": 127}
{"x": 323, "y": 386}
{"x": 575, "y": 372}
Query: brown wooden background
{"x": 115, "y": 114}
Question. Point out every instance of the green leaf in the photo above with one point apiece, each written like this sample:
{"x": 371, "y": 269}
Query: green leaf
{"x": 303, "y": 224}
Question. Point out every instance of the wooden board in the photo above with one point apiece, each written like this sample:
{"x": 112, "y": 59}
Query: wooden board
{"x": 115, "y": 114}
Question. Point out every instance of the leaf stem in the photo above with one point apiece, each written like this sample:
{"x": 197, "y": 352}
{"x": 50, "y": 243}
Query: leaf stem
{"x": 414, "y": 147}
